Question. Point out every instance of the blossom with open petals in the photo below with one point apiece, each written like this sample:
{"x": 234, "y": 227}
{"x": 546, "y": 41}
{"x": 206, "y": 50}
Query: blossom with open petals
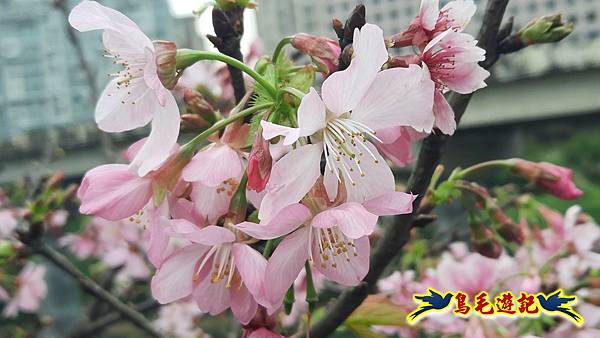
{"x": 453, "y": 61}
{"x": 31, "y": 290}
{"x": 332, "y": 236}
{"x": 354, "y": 103}
{"x": 136, "y": 95}
{"x": 431, "y": 21}
{"x": 217, "y": 269}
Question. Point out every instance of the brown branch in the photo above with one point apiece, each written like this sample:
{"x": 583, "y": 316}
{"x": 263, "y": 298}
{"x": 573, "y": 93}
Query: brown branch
{"x": 229, "y": 28}
{"x": 97, "y": 326}
{"x": 96, "y": 290}
{"x": 397, "y": 235}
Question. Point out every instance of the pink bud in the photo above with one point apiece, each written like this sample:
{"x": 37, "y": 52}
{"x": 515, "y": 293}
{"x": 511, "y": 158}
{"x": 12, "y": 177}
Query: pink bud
{"x": 196, "y": 102}
{"x": 485, "y": 243}
{"x": 322, "y": 50}
{"x": 166, "y": 65}
{"x": 508, "y": 229}
{"x": 555, "y": 179}
{"x": 259, "y": 163}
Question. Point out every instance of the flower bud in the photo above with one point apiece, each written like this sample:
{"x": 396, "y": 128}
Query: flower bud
{"x": 508, "y": 229}
{"x": 55, "y": 180}
{"x": 193, "y": 122}
{"x": 484, "y": 242}
{"x": 259, "y": 163}
{"x": 324, "y": 51}
{"x": 196, "y": 102}
{"x": 546, "y": 29}
{"x": 166, "y": 65}
{"x": 555, "y": 179}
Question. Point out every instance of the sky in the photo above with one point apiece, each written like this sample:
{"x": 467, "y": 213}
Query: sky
{"x": 182, "y": 8}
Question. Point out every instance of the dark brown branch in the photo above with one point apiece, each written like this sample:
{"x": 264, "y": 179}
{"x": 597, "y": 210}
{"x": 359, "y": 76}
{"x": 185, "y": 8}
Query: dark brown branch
{"x": 97, "y": 326}
{"x": 397, "y": 235}
{"x": 229, "y": 28}
{"x": 96, "y": 290}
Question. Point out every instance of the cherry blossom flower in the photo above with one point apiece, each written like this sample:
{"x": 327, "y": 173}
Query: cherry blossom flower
{"x": 136, "y": 95}
{"x": 218, "y": 270}
{"x": 431, "y": 21}
{"x": 221, "y": 160}
{"x": 113, "y": 192}
{"x": 333, "y": 236}
{"x": 452, "y": 59}
{"x": 31, "y": 290}
{"x": 324, "y": 51}
{"x": 355, "y": 102}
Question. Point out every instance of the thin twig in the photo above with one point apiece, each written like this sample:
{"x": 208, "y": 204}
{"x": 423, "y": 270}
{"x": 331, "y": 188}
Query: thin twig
{"x": 96, "y": 290}
{"x": 397, "y": 234}
{"x": 97, "y": 326}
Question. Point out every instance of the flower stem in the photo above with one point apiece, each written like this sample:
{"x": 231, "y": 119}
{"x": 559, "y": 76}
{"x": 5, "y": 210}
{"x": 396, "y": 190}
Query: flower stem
{"x": 279, "y": 48}
{"x": 483, "y": 165}
{"x": 187, "y": 57}
{"x": 196, "y": 141}
{"x": 288, "y": 300}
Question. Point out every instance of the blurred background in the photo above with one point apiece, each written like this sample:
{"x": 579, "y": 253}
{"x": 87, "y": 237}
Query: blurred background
{"x": 542, "y": 103}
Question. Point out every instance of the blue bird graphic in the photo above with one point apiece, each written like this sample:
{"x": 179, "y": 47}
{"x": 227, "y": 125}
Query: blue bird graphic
{"x": 554, "y": 302}
{"x": 431, "y": 302}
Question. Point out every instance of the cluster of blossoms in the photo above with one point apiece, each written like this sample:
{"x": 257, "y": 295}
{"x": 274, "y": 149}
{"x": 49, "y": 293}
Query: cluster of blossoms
{"x": 309, "y": 163}
{"x": 558, "y": 256}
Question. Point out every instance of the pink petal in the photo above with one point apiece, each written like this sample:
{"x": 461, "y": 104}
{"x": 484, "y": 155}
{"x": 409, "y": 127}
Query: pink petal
{"x": 158, "y": 240}
{"x": 428, "y": 13}
{"x": 342, "y": 90}
{"x": 112, "y": 115}
{"x": 291, "y": 178}
{"x": 391, "y": 203}
{"x": 162, "y": 139}
{"x": 243, "y": 304}
{"x": 347, "y": 273}
{"x": 151, "y": 77}
{"x": 460, "y": 12}
{"x": 272, "y": 130}
{"x": 264, "y": 333}
{"x": 311, "y": 113}
{"x": 284, "y": 222}
{"x": 467, "y": 78}
{"x": 212, "y": 298}
{"x": 90, "y": 15}
{"x": 133, "y": 149}
{"x": 136, "y": 267}
{"x": 251, "y": 266}
{"x": 284, "y": 265}
{"x": 173, "y": 280}
{"x": 444, "y": 115}
{"x": 211, "y": 235}
{"x": 378, "y": 178}
{"x": 398, "y": 97}
{"x": 351, "y": 218}
{"x": 398, "y": 151}
{"x": 212, "y": 202}
{"x": 111, "y": 191}
{"x": 214, "y": 165}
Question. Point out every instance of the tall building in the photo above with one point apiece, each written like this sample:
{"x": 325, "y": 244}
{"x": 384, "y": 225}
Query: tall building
{"x": 575, "y": 60}
{"x": 41, "y": 82}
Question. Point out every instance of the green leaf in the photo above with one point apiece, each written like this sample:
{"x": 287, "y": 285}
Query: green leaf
{"x": 362, "y": 331}
{"x": 377, "y": 310}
